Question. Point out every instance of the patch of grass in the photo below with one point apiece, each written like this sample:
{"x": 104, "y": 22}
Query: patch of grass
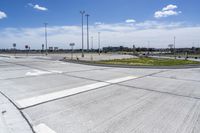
{"x": 146, "y": 61}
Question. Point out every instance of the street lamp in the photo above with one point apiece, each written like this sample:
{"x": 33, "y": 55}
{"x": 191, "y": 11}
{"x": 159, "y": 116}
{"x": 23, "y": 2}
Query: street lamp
{"x": 45, "y": 25}
{"x": 148, "y": 48}
{"x": 87, "y": 15}
{"x": 133, "y": 49}
{"x": 82, "y": 13}
{"x": 99, "y": 43}
{"x": 91, "y": 48}
{"x": 175, "y": 47}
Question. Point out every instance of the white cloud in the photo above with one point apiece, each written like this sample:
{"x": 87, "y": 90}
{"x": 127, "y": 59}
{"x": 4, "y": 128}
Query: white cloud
{"x": 2, "y": 15}
{"x": 160, "y": 14}
{"x": 37, "y": 7}
{"x": 170, "y": 7}
{"x": 116, "y": 34}
{"x": 98, "y": 23}
{"x": 130, "y": 21}
{"x": 40, "y": 8}
{"x": 167, "y": 11}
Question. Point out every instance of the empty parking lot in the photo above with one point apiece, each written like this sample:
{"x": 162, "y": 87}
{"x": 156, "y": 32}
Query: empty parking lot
{"x": 47, "y": 96}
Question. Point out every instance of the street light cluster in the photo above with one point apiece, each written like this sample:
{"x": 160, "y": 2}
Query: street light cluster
{"x": 88, "y": 42}
{"x": 83, "y": 13}
{"x": 82, "y": 19}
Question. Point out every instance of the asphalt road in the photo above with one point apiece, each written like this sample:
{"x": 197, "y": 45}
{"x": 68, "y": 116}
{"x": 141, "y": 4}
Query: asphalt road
{"x": 60, "y": 97}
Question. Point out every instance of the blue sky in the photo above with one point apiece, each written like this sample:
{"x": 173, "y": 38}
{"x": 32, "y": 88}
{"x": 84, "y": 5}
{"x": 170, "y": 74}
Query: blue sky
{"x": 112, "y": 17}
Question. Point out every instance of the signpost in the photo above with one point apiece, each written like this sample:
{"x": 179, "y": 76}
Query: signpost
{"x": 42, "y": 48}
{"x": 14, "y": 46}
{"x": 27, "y": 47}
{"x": 72, "y": 45}
{"x": 133, "y": 50}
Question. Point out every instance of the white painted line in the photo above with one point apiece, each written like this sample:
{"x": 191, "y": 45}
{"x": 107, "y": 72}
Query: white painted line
{"x": 68, "y": 92}
{"x": 39, "y": 72}
{"x": 121, "y": 79}
{"x": 55, "y": 71}
{"x": 55, "y": 95}
{"x": 42, "y": 128}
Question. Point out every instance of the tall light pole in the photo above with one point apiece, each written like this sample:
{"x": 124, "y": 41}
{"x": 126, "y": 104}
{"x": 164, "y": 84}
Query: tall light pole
{"x": 148, "y": 47}
{"x": 175, "y": 47}
{"x": 91, "y": 48}
{"x": 99, "y": 43}
{"x": 82, "y": 14}
{"x": 92, "y": 43}
{"x": 87, "y": 15}
{"x": 45, "y": 26}
{"x": 133, "y": 49}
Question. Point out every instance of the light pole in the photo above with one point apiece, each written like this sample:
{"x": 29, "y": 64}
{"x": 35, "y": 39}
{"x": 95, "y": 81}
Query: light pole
{"x": 148, "y": 48}
{"x": 87, "y": 15}
{"x": 92, "y": 43}
{"x": 175, "y": 47}
{"x": 45, "y": 26}
{"x": 91, "y": 48}
{"x": 82, "y": 13}
{"x": 133, "y": 49}
{"x": 99, "y": 43}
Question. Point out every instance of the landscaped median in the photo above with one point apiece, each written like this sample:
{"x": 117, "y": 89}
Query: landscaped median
{"x": 147, "y": 61}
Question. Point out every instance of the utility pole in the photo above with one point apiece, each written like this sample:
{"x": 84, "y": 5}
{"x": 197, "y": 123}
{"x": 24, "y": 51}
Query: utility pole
{"x": 87, "y": 15}
{"x": 45, "y": 25}
{"x": 99, "y": 43}
{"x": 82, "y": 13}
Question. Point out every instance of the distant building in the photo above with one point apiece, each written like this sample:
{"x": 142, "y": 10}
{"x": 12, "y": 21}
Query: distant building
{"x": 55, "y": 48}
{"x": 115, "y": 49}
{"x": 50, "y": 48}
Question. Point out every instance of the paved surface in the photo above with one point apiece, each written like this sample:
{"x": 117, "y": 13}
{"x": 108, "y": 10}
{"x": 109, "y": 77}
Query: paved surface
{"x": 87, "y": 56}
{"x": 59, "y": 97}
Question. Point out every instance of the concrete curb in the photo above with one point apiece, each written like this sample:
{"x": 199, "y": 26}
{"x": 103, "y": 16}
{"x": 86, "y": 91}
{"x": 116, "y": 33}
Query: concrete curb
{"x": 130, "y": 66}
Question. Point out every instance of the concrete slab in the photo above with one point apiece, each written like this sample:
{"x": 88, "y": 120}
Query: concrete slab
{"x": 116, "y": 109}
{"x": 33, "y": 101}
{"x": 11, "y": 120}
{"x": 166, "y": 85}
{"x": 32, "y": 86}
{"x": 106, "y": 74}
{"x": 184, "y": 74}
{"x": 159, "y": 101}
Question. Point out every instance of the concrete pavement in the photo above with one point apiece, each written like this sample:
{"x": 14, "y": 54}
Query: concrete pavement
{"x": 60, "y": 97}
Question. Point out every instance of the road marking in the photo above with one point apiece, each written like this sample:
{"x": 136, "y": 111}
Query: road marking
{"x": 113, "y": 81}
{"x": 39, "y": 72}
{"x": 42, "y": 128}
{"x": 28, "y": 102}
